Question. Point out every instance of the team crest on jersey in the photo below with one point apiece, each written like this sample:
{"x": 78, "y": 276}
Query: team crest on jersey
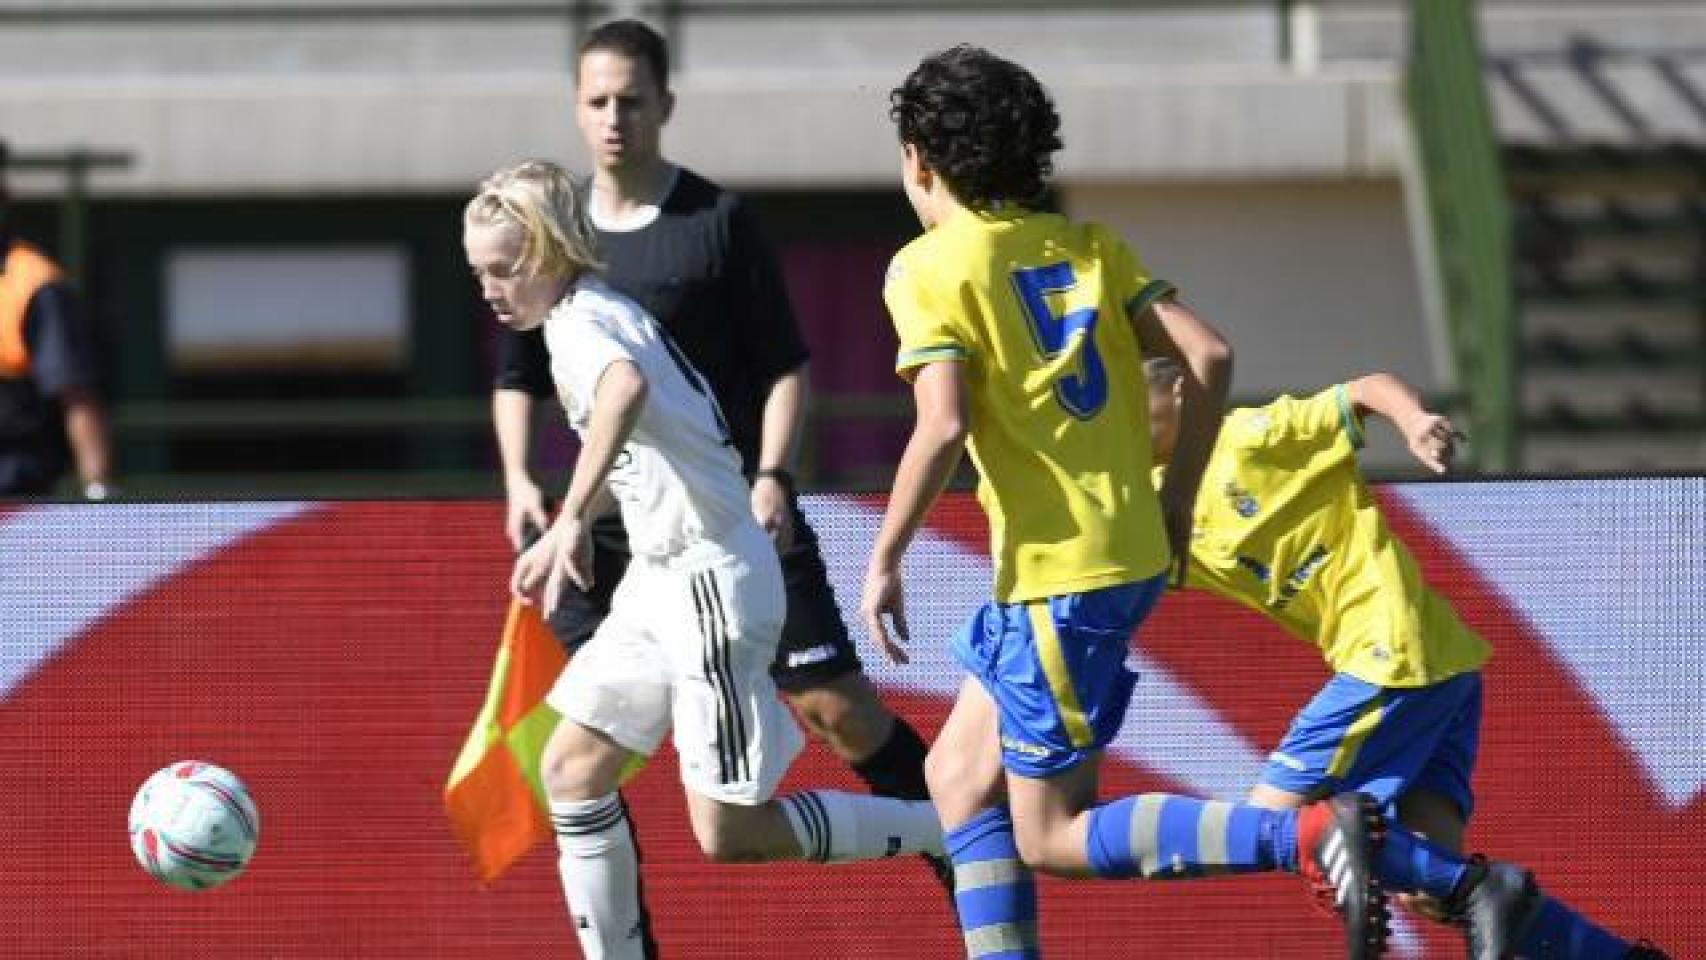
{"x": 1243, "y": 503}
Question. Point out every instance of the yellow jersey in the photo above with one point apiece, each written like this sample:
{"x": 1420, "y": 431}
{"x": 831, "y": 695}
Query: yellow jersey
{"x": 1286, "y": 525}
{"x": 1036, "y": 307}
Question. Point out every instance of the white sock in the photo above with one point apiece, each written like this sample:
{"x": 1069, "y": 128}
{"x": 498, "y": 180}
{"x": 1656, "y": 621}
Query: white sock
{"x": 835, "y": 827}
{"x": 600, "y": 876}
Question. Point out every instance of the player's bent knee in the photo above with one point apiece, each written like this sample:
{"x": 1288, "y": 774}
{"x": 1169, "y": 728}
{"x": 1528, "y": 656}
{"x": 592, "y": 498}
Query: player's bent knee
{"x": 1032, "y": 851}
{"x": 961, "y": 784}
{"x": 953, "y": 773}
{"x": 567, "y": 777}
{"x": 1039, "y": 851}
{"x": 577, "y": 765}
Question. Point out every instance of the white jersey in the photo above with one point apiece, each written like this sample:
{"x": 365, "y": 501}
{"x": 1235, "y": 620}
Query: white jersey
{"x": 678, "y": 480}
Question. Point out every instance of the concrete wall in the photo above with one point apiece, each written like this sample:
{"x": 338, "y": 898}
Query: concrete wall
{"x": 1312, "y": 282}
{"x": 226, "y": 103}
{"x": 396, "y": 133}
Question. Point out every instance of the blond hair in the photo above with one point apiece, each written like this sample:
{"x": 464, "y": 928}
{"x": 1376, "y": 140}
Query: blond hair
{"x": 541, "y": 200}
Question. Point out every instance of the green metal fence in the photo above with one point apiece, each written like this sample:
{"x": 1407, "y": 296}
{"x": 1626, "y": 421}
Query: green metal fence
{"x": 1469, "y": 213}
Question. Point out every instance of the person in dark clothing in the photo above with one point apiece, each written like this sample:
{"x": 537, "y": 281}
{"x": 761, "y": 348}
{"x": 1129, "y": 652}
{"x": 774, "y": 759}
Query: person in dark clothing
{"x": 50, "y": 414}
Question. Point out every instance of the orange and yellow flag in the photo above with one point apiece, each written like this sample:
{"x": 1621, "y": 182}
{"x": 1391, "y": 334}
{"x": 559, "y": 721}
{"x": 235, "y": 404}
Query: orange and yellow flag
{"x": 494, "y": 796}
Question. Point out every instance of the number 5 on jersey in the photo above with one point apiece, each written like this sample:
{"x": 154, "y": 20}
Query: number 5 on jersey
{"x": 1084, "y": 393}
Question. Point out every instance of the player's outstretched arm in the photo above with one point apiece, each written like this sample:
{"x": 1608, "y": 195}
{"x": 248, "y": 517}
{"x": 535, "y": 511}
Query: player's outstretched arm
{"x": 1431, "y": 437}
{"x": 934, "y": 450}
{"x": 1169, "y": 328}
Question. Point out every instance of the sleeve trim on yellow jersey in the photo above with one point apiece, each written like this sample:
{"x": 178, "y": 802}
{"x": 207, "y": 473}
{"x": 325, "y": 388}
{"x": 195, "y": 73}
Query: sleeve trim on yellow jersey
{"x": 1348, "y": 414}
{"x": 934, "y": 354}
{"x": 1152, "y": 291}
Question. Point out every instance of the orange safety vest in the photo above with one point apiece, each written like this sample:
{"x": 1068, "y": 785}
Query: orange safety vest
{"x": 25, "y": 272}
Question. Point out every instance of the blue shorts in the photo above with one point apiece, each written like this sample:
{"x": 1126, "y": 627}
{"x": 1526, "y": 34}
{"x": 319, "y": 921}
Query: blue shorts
{"x": 1383, "y": 741}
{"x": 1056, "y": 669}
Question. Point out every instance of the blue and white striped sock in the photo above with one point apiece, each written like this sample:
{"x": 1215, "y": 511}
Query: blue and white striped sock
{"x": 993, "y": 889}
{"x": 1160, "y": 836}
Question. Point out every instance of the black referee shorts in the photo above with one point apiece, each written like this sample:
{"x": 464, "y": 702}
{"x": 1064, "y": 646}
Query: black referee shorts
{"x": 815, "y": 647}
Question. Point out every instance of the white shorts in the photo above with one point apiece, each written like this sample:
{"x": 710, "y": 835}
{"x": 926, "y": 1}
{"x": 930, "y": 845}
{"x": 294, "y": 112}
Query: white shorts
{"x": 688, "y": 643}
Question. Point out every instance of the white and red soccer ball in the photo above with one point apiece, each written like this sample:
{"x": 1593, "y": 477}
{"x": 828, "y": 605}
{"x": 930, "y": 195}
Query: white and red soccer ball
{"x": 193, "y": 825}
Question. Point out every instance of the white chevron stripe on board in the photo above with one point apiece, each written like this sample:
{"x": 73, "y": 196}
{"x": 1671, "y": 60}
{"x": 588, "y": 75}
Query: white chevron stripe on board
{"x": 1612, "y": 573}
{"x": 67, "y": 566}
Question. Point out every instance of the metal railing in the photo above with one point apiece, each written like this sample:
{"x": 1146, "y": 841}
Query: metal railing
{"x": 76, "y": 165}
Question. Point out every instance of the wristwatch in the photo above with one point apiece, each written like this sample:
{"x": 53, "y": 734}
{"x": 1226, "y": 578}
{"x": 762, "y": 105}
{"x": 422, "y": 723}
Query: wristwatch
{"x": 779, "y": 475}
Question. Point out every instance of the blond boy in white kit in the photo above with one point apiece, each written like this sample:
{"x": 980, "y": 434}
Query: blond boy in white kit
{"x": 694, "y": 623}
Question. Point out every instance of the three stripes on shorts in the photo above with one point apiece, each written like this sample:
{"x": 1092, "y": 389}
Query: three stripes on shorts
{"x": 732, "y": 763}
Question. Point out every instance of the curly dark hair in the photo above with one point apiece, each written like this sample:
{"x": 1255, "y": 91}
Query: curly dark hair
{"x": 982, "y": 123}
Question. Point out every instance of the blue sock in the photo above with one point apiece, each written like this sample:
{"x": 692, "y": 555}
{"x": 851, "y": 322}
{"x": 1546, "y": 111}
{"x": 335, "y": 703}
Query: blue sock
{"x": 1284, "y": 842}
{"x": 993, "y": 889}
{"x": 1559, "y": 933}
{"x": 1161, "y": 836}
{"x": 1411, "y": 864}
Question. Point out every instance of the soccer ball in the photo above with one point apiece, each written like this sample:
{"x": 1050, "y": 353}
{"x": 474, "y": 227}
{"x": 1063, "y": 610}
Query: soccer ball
{"x": 193, "y": 825}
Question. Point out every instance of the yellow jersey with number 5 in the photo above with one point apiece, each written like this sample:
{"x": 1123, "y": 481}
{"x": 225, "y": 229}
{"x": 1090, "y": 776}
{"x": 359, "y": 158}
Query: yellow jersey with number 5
{"x": 1036, "y": 309}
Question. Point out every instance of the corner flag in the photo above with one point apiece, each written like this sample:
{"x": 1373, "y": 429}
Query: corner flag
{"x": 494, "y": 796}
